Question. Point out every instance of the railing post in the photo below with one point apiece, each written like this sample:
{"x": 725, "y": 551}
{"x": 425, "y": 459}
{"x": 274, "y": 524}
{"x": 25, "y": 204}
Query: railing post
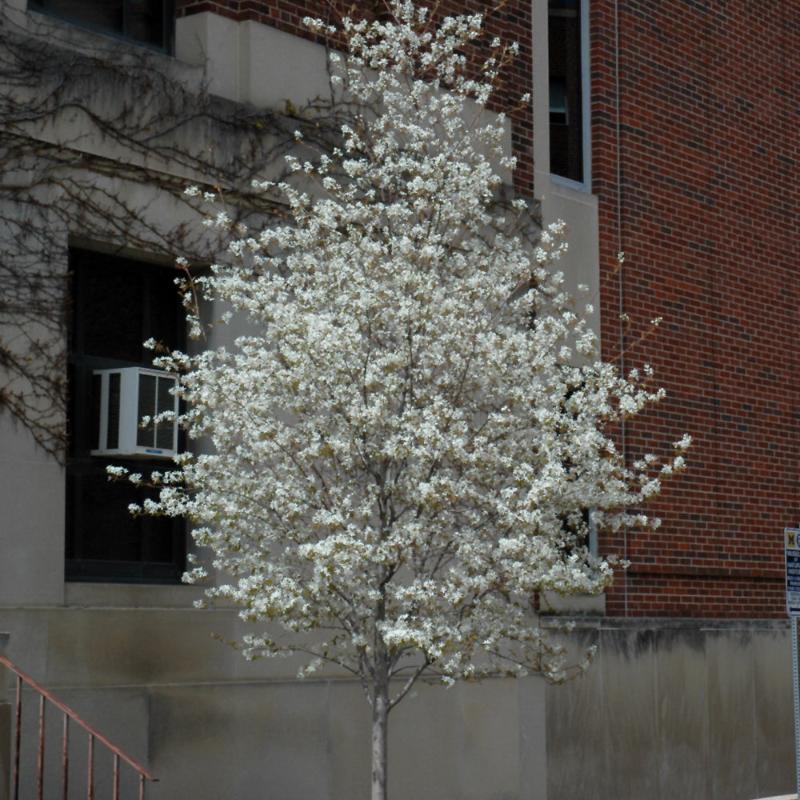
{"x": 5, "y": 727}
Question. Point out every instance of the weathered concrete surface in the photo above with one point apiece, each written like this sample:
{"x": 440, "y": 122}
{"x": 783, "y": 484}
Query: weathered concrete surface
{"x": 211, "y": 725}
{"x": 689, "y": 709}
{"x": 5, "y": 727}
{"x": 312, "y": 741}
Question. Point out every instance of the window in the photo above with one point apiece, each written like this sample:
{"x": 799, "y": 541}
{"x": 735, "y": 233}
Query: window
{"x": 148, "y": 22}
{"x": 566, "y": 54}
{"x": 583, "y": 527}
{"x": 116, "y": 304}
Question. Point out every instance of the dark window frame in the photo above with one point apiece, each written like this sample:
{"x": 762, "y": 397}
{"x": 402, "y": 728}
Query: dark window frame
{"x": 164, "y": 537}
{"x": 123, "y": 30}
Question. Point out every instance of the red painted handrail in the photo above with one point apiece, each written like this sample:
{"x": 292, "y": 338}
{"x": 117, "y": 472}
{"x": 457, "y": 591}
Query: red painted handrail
{"x": 94, "y": 735}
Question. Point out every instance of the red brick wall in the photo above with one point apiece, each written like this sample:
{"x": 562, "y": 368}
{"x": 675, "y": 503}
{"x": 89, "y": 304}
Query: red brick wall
{"x": 512, "y": 23}
{"x": 709, "y": 225}
{"x": 710, "y": 191}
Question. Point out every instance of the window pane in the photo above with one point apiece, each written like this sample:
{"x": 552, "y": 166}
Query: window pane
{"x": 102, "y": 533}
{"x": 83, "y": 411}
{"x": 119, "y": 303}
{"x": 110, "y": 318}
{"x": 145, "y": 21}
{"x": 558, "y": 102}
{"x": 566, "y": 100}
{"x": 166, "y": 316}
{"x": 103, "y": 14}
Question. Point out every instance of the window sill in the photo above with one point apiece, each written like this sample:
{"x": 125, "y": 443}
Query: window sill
{"x": 553, "y": 604}
{"x": 568, "y": 183}
{"x": 131, "y": 595}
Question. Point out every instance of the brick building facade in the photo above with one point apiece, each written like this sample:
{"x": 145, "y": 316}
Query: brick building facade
{"x": 695, "y": 166}
{"x": 667, "y": 131}
{"x": 694, "y": 154}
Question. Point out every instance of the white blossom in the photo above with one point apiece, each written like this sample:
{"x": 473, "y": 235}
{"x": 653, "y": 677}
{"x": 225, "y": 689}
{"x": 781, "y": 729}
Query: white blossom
{"x": 401, "y": 457}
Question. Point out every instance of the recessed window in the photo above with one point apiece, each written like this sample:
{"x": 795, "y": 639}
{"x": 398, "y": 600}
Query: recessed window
{"x": 116, "y": 304}
{"x": 566, "y": 89}
{"x": 148, "y": 22}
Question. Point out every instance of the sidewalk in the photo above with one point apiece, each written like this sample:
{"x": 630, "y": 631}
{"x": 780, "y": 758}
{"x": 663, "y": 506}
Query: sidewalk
{"x": 779, "y": 797}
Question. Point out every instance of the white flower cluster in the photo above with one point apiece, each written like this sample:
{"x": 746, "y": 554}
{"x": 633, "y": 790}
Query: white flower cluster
{"x": 403, "y": 455}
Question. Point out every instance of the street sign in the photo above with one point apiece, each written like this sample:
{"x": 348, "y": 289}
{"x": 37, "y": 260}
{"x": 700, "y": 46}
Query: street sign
{"x": 792, "y": 551}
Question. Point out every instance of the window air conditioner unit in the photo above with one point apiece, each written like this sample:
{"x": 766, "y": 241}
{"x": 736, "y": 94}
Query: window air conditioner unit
{"x": 126, "y": 396}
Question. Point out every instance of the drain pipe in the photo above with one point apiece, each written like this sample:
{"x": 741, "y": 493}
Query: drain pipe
{"x": 620, "y": 268}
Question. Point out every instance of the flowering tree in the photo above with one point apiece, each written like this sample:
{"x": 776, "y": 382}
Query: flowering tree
{"x": 404, "y": 449}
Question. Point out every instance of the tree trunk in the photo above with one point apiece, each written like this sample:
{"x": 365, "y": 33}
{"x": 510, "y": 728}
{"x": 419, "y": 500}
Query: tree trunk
{"x": 380, "y": 732}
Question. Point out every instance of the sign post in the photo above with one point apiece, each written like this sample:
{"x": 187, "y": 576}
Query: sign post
{"x": 792, "y": 560}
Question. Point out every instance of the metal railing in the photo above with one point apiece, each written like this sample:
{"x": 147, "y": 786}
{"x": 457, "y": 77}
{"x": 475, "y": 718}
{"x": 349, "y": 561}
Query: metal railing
{"x": 68, "y": 715}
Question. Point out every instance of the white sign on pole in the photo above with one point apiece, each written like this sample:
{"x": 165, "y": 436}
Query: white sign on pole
{"x": 792, "y": 551}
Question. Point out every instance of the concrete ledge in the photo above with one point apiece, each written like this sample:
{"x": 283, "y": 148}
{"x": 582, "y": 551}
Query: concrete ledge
{"x": 669, "y": 623}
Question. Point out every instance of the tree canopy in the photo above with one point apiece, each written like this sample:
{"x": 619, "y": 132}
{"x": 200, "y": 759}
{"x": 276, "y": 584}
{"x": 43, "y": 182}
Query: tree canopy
{"x": 405, "y": 446}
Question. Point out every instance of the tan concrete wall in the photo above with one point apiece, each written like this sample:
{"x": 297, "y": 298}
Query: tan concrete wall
{"x": 210, "y": 725}
{"x": 675, "y": 710}
{"x": 671, "y": 709}
{"x": 32, "y": 513}
{"x": 5, "y": 728}
{"x": 252, "y": 63}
